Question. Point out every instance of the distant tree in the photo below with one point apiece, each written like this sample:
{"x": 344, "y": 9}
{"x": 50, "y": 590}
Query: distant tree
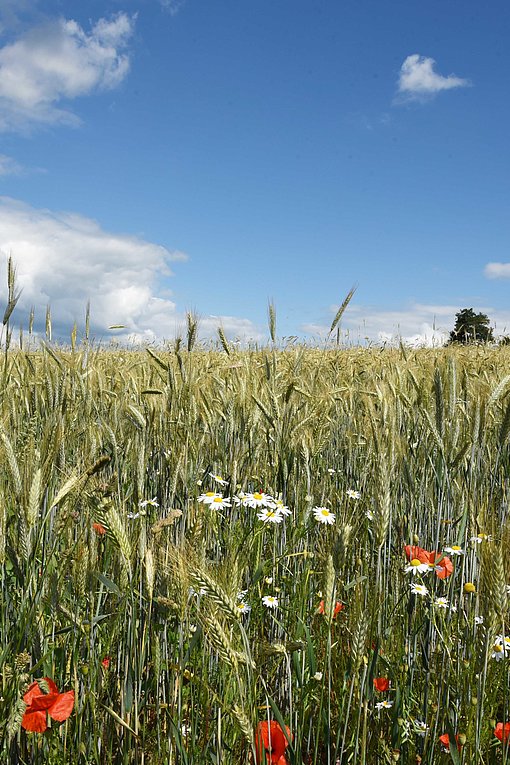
{"x": 471, "y": 327}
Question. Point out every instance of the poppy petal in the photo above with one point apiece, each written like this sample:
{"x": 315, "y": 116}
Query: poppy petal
{"x": 271, "y": 742}
{"x": 381, "y": 684}
{"x": 51, "y": 685}
{"x": 413, "y": 551}
{"x": 446, "y": 568}
{"x": 32, "y": 692}
{"x": 42, "y": 702}
{"x": 62, "y": 707}
{"x": 502, "y": 731}
{"x": 34, "y": 722}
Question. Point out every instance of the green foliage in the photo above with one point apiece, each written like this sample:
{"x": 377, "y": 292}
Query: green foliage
{"x": 471, "y": 327}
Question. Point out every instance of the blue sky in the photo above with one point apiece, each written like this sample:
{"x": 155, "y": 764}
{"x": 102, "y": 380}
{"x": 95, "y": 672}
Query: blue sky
{"x": 157, "y": 157}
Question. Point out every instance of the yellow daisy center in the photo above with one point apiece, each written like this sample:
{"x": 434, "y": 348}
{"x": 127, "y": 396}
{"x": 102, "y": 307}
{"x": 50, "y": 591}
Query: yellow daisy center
{"x": 257, "y": 495}
{"x": 456, "y": 547}
{"x": 325, "y": 512}
{"x": 217, "y": 499}
{"x": 415, "y": 562}
{"x": 210, "y": 493}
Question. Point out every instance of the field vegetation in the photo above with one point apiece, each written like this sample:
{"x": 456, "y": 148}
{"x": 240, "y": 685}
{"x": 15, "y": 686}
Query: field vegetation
{"x": 193, "y": 542}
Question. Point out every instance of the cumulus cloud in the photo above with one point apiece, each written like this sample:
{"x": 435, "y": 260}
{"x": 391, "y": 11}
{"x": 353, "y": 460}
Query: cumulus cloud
{"x": 418, "y": 325}
{"x": 497, "y": 271}
{"x": 56, "y": 62}
{"x": 418, "y": 78}
{"x": 65, "y": 259}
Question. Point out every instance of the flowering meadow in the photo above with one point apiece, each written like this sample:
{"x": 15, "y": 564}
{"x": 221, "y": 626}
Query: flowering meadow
{"x": 295, "y": 556}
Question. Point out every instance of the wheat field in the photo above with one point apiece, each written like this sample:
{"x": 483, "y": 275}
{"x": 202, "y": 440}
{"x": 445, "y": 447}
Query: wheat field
{"x": 195, "y": 541}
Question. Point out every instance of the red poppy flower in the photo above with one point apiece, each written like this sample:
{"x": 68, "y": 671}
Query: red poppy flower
{"x": 446, "y": 567}
{"x": 442, "y": 564}
{"x": 502, "y": 731}
{"x": 58, "y": 705}
{"x": 271, "y": 743}
{"x": 99, "y": 529}
{"x": 445, "y": 741}
{"x": 106, "y": 662}
{"x": 381, "y": 684}
{"x": 414, "y": 552}
{"x": 338, "y": 607}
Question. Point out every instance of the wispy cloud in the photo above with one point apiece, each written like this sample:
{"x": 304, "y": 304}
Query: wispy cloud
{"x": 416, "y": 325}
{"x": 418, "y": 79}
{"x": 65, "y": 259}
{"x": 497, "y": 271}
{"x": 172, "y": 6}
{"x": 9, "y": 166}
{"x": 58, "y": 62}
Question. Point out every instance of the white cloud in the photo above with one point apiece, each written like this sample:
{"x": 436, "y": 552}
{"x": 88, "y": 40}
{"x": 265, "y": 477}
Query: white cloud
{"x": 497, "y": 271}
{"x": 417, "y": 325}
{"x": 65, "y": 259}
{"x": 172, "y": 6}
{"x": 418, "y": 79}
{"x": 57, "y": 62}
{"x": 9, "y": 166}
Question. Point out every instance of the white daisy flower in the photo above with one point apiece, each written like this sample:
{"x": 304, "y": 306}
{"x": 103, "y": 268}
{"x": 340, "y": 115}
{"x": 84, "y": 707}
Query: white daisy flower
{"x": 331, "y": 471}
{"x": 243, "y": 608}
{"x": 270, "y": 601}
{"x": 323, "y": 515}
{"x": 242, "y": 594}
{"x": 218, "y": 479}
{"x": 270, "y": 515}
{"x": 478, "y": 620}
{"x": 318, "y": 676}
{"x": 284, "y": 510}
{"x": 454, "y": 550}
{"x": 132, "y": 516}
{"x": 419, "y": 589}
{"x": 420, "y": 727}
{"x": 219, "y": 502}
{"x": 268, "y": 580}
{"x": 498, "y": 652}
{"x": 152, "y": 502}
{"x": 257, "y": 499}
{"x": 353, "y": 494}
{"x": 501, "y": 647}
{"x": 415, "y": 566}
{"x": 444, "y": 603}
{"x": 481, "y": 538}
{"x": 208, "y": 497}
{"x": 384, "y": 704}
